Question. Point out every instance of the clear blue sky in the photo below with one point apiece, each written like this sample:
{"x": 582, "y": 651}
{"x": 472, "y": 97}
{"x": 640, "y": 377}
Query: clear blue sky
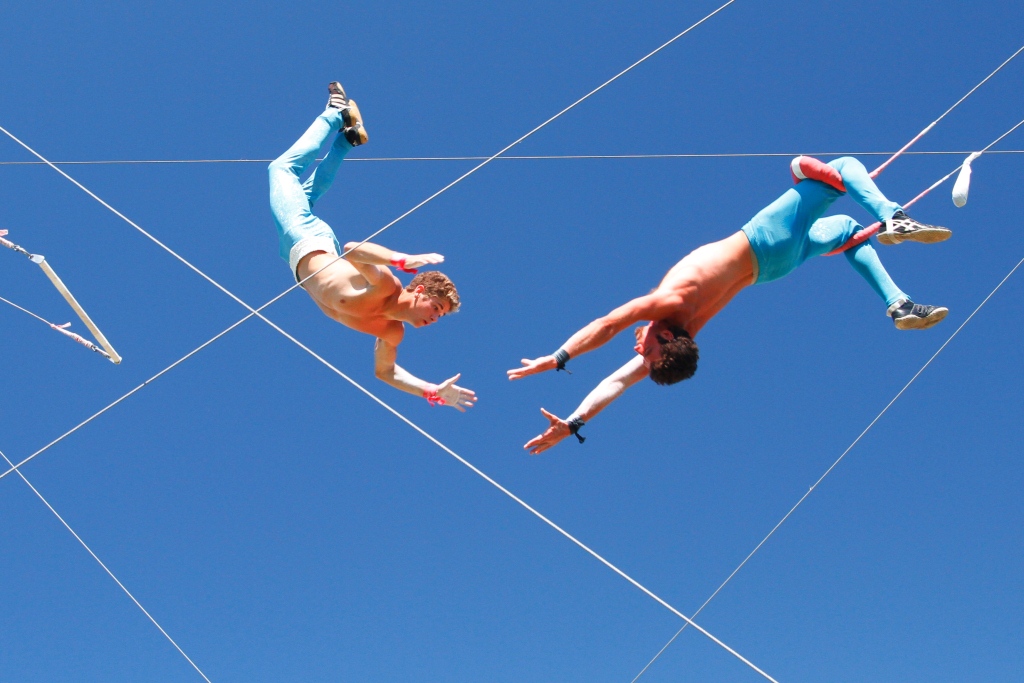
{"x": 281, "y": 526}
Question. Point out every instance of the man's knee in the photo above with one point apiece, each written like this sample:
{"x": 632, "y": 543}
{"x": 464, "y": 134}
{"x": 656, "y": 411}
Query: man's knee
{"x": 846, "y": 164}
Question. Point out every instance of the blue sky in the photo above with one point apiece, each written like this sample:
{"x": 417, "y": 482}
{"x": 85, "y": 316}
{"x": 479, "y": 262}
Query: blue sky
{"x": 281, "y": 526}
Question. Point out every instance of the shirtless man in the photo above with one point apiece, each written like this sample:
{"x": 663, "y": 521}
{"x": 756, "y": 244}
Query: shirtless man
{"x": 778, "y": 239}
{"x": 359, "y": 290}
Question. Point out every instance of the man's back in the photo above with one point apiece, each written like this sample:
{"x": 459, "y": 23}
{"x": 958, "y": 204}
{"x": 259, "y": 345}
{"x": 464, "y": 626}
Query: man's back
{"x": 706, "y": 279}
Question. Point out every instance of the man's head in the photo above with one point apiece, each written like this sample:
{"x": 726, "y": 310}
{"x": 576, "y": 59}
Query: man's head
{"x": 434, "y": 296}
{"x": 669, "y": 352}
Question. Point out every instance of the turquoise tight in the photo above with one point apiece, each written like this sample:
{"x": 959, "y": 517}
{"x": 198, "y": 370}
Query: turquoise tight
{"x": 791, "y": 230}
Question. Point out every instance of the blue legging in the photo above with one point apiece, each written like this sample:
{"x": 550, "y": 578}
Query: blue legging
{"x": 791, "y": 230}
{"x": 292, "y": 202}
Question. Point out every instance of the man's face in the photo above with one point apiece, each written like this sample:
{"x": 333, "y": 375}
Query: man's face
{"x": 649, "y": 340}
{"x": 426, "y": 309}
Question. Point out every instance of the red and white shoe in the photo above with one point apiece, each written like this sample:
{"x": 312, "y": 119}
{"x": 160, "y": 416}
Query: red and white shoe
{"x": 809, "y": 168}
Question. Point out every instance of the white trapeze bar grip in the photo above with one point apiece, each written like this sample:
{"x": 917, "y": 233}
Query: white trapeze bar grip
{"x": 114, "y": 357}
{"x": 963, "y": 181}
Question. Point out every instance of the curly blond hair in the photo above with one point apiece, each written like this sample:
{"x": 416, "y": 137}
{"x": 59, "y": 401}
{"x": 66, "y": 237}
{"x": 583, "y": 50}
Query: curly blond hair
{"x": 438, "y": 286}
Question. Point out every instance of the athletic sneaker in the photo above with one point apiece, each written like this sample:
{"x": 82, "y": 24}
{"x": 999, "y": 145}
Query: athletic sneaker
{"x": 351, "y": 118}
{"x": 336, "y": 96}
{"x": 910, "y": 316}
{"x": 903, "y": 228}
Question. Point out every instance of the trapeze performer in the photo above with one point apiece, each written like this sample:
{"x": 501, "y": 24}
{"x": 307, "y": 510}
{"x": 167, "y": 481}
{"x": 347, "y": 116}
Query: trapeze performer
{"x": 777, "y": 240}
{"x": 358, "y": 290}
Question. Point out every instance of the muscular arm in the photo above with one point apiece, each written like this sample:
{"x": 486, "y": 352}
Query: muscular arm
{"x": 385, "y": 353}
{"x": 608, "y": 390}
{"x": 368, "y": 256}
{"x": 653, "y": 306}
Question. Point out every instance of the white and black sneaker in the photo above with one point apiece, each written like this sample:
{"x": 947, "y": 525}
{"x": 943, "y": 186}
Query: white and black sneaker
{"x": 352, "y": 120}
{"x": 903, "y": 228}
{"x": 336, "y": 96}
{"x": 910, "y": 316}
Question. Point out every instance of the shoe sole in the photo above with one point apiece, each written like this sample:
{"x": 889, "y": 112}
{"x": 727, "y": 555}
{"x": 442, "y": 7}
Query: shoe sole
{"x": 924, "y": 236}
{"x": 915, "y": 323}
{"x": 351, "y": 114}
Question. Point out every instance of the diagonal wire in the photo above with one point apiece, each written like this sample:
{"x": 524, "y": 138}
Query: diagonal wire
{"x": 107, "y": 570}
{"x": 25, "y": 310}
{"x": 834, "y": 464}
{"x": 402, "y": 216}
{"x": 506, "y": 157}
{"x": 255, "y": 312}
{"x": 944, "y": 114}
{"x": 17, "y": 468}
{"x": 941, "y": 180}
{"x": 872, "y": 424}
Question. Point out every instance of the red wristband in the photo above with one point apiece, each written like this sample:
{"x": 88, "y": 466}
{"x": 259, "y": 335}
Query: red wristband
{"x": 430, "y": 393}
{"x": 400, "y": 264}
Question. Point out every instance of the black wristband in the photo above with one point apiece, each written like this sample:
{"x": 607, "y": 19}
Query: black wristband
{"x": 574, "y": 428}
{"x": 561, "y": 357}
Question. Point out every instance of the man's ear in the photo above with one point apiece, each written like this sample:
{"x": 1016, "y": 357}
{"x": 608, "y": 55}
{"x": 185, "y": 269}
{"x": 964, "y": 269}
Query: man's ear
{"x": 419, "y": 289}
{"x": 666, "y": 335}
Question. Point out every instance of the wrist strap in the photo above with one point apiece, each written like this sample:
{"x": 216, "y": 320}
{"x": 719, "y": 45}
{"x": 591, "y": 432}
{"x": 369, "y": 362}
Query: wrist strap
{"x": 400, "y": 264}
{"x": 561, "y": 357}
{"x": 430, "y": 393}
{"x": 574, "y": 427}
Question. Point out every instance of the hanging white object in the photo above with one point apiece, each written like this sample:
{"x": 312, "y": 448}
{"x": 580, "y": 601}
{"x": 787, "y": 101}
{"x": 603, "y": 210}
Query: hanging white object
{"x": 963, "y": 181}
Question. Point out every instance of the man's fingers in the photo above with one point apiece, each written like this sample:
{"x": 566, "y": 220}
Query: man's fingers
{"x": 549, "y": 416}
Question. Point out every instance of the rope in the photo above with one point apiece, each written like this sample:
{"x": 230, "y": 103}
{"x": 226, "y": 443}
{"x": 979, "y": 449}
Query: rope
{"x": 25, "y": 310}
{"x": 63, "y": 330}
{"x": 538, "y": 157}
{"x": 255, "y": 312}
{"x": 932, "y": 124}
{"x": 835, "y": 464}
{"x": 429, "y": 437}
{"x": 865, "y": 234}
{"x": 107, "y": 570}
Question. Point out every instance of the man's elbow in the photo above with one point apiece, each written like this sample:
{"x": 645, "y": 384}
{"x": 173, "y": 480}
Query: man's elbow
{"x": 384, "y": 374}
{"x": 349, "y": 247}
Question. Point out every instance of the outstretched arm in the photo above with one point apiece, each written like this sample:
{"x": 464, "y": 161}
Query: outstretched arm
{"x": 445, "y": 394}
{"x": 367, "y": 256}
{"x": 597, "y": 400}
{"x": 653, "y": 306}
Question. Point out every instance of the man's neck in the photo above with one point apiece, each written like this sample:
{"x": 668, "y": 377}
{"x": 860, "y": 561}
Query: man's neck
{"x": 399, "y": 306}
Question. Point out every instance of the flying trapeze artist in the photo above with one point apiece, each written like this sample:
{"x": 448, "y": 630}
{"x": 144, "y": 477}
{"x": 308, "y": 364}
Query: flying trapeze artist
{"x": 359, "y": 290}
{"x": 778, "y": 239}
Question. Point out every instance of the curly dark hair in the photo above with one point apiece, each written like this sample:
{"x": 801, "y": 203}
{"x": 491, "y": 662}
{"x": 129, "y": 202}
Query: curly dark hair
{"x": 678, "y": 359}
{"x": 438, "y": 286}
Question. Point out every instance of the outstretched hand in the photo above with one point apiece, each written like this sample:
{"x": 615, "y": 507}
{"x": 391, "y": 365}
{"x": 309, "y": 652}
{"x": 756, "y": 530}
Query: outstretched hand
{"x": 532, "y": 367}
{"x": 556, "y": 431}
{"x": 455, "y": 396}
{"x": 420, "y": 260}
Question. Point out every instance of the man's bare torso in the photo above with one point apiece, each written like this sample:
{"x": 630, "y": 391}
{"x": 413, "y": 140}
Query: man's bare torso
{"x": 345, "y": 295}
{"x": 708, "y": 278}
